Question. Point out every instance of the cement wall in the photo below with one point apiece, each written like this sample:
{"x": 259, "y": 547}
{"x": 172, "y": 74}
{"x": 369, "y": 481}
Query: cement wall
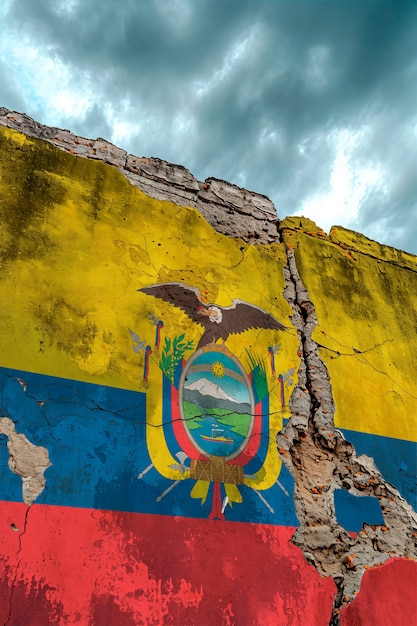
{"x": 208, "y": 414}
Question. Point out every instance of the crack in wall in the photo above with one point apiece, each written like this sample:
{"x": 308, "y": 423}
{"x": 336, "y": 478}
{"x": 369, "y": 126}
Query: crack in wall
{"x": 321, "y": 460}
{"x": 335, "y": 354}
{"x": 355, "y": 352}
{"x": 316, "y": 454}
{"x": 94, "y": 406}
{"x": 17, "y": 566}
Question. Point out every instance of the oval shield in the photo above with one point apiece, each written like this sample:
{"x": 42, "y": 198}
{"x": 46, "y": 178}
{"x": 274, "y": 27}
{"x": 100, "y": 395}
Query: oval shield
{"x": 216, "y": 402}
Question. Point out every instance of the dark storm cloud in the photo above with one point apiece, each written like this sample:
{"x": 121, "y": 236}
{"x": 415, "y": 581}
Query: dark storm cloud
{"x": 254, "y": 92}
{"x": 9, "y": 90}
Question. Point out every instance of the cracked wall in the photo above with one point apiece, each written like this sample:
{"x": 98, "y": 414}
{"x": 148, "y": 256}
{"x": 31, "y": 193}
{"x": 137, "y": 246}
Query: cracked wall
{"x": 281, "y": 490}
{"x": 376, "y": 340}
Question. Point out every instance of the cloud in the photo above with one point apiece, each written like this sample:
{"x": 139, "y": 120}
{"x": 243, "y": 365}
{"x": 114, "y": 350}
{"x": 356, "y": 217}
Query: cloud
{"x": 311, "y": 103}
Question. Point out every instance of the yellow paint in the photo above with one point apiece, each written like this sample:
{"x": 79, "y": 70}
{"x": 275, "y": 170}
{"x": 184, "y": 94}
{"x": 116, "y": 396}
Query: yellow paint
{"x": 78, "y": 241}
{"x": 233, "y": 493}
{"x": 200, "y": 490}
{"x": 365, "y": 297}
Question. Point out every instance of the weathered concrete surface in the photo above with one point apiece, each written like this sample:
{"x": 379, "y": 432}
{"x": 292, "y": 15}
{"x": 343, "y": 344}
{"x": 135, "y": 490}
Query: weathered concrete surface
{"x": 77, "y": 242}
{"x": 221, "y": 203}
{"x": 321, "y": 460}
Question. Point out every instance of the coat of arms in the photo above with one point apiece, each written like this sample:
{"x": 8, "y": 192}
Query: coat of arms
{"x": 214, "y": 410}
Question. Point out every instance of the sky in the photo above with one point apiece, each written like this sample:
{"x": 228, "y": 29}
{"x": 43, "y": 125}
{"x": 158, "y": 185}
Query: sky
{"x": 310, "y": 102}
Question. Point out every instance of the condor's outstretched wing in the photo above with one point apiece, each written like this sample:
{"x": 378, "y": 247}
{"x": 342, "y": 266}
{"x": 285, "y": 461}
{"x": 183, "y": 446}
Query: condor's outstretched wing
{"x": 180, "y": 295}
{"x": 242, "y": 315}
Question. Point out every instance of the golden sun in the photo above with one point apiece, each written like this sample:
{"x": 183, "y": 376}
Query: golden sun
{"x": 217, "y": 369}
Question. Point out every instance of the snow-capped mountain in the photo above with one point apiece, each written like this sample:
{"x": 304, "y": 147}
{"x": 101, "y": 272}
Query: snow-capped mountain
{"x": 207, "y": 388}
{"x": 207, "y": 395}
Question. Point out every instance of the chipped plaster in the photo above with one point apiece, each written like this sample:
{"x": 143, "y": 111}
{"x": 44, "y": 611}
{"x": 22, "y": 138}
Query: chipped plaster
{"x": 310, "y": 444}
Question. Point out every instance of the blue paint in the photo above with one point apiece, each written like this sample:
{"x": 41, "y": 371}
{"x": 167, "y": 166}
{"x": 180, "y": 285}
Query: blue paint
{"x": 96, "y": 440}
{"x": 11, "y": 484}
{"x": 396, "y": 459}
{"x": 353, "y": 511}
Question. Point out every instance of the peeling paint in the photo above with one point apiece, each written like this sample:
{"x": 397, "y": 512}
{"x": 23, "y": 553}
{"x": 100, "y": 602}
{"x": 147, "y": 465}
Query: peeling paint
{"x": 310, "y": 517}
{"x": 26, "y": 460}
{"x": 321, "y": 460}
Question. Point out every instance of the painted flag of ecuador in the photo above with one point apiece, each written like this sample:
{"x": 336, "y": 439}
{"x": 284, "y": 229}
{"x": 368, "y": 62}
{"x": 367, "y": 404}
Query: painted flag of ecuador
{"x": 146, "y": 367}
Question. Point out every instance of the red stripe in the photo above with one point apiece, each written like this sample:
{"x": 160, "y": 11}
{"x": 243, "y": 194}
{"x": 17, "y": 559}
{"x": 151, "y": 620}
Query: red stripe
{"x": 179, "y": 428}
{"x": 98, "y": 568}
{"x": 388, "y": 596}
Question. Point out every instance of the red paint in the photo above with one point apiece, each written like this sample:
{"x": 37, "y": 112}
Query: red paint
{"x": 97, "y": 568}
{"x": 255, "y": 439}
{"x": 180, "y": 432}
{"x": 148, "y": 353}
{"x": 28, "y": 594}
{"x": 387, "y": 597}
{"x": 216, "y": 507}
{"x": 281, "y": 388}
{"x": 105, "y": 609}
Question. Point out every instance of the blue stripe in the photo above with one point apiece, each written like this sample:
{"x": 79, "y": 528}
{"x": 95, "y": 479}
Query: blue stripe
{"x": 96, "y": 439}
{"x": 396, "y": 459}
